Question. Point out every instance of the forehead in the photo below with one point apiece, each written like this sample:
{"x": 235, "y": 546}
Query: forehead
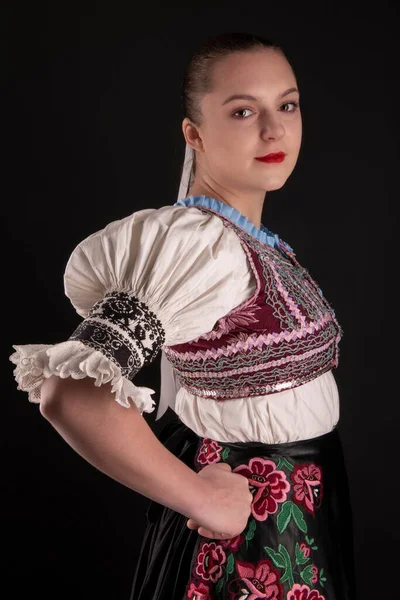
{"x": 265, "y": 71}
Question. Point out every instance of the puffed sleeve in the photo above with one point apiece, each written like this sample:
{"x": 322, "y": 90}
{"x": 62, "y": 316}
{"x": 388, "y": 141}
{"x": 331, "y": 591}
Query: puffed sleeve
{"x": 157, "y": 277}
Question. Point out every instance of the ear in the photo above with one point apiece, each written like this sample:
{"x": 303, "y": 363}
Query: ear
{"x": 192, "y": 135}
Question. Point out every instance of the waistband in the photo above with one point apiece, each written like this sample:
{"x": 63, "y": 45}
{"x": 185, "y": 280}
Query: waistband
{"x": 177, "y": 437}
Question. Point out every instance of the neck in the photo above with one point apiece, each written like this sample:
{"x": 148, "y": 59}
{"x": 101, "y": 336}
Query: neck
{"x": 249, "y": 205}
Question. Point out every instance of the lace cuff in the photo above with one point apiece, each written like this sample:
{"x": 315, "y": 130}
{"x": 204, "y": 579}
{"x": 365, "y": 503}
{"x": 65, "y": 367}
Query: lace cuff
{"x": 119, "y": 336}
{"x": 37, "y": 362}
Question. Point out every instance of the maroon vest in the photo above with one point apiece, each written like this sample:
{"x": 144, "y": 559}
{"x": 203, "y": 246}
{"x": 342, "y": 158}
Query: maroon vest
{"x": 284, "y": 335}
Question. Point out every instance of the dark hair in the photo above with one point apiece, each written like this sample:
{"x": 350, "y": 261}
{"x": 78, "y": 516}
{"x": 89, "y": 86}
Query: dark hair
{"x": 197, "y": 78}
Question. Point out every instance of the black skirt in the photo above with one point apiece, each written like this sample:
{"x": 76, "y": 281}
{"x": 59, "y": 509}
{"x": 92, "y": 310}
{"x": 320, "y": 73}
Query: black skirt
{"x": 298, "y": 541}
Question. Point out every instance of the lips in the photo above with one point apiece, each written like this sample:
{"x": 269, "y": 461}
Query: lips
{"x": 272, "y": 157}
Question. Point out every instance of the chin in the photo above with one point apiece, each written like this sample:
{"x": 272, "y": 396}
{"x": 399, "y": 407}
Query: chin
{"x": 274, "y": 185}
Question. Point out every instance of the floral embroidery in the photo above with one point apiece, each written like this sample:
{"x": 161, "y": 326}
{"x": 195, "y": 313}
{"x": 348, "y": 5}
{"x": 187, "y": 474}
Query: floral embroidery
{"x": 243, "y": 318}
{"x": 198, "y": 591}
{"x": 282, "y": 336}
{"x": 307, "y": 488}
{"x": 268, "y": 486}
{"x": 287, "y": 571}
{"x": 209, "y": 452}
{"x": 242, "y": 336}
{"x": 233, "y": 544}
{"x": 209, "y": 561}
{"x": 314, "y": 571}
{"x": 303, "y": 592}
{"x": 260, "y": 581}
{"x": 305, "y": 550}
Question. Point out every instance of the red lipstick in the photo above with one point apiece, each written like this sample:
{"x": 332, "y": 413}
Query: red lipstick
{"x": 273, "y": 157}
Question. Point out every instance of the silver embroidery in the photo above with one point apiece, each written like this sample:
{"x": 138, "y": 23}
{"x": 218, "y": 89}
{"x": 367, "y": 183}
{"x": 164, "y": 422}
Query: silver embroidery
{"x": 245, "y": 363}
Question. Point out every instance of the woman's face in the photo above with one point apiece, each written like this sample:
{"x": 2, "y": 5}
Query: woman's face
{"x": 234, "y": 132}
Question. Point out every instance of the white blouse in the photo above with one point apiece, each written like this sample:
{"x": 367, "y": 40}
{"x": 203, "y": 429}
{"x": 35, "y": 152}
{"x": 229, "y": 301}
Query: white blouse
{"x": 190, "y": 270}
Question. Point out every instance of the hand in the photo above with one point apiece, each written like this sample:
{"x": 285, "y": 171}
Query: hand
{"x": 228, "y": 508}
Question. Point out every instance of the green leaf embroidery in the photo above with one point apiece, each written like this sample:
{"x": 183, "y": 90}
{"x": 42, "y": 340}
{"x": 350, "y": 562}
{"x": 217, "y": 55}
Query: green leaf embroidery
{"x": 284, "y": 515}
{"x": 230, "y": 564}
{"x": 219, "y": 585}
{"x": 300, "y": 558}
{"x": 284, "y": 463}
{"x": 314, "y": 547}
{"x": 287, "y": 464}
{"x": 284, "y": 577}
{"x": 225, "y": 453}
{"x": 307, "y": 574}
{"x": 309, "y": 541}
{"x": 288, "y": 564}
{"x": 276, "y": 558}
{"x": 298, "y": 518}
{"x": 252, "y": 527}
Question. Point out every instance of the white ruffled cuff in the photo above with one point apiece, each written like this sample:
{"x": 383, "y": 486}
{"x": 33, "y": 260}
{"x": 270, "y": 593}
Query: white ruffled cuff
{"x": 37, "y": 362}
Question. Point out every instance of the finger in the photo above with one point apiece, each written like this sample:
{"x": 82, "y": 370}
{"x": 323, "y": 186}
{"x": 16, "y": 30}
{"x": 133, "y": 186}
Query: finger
{"x": 211, "y": 534}
{"x": 192, "y": 524}
{"x": 205, "y": 532}
{"x": 223, "y": 465}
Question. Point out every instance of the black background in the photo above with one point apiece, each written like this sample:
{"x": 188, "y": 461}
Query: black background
{"x": 92, "y": 133}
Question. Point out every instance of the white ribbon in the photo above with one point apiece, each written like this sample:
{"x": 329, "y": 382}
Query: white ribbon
{"x": 186, "y": 173}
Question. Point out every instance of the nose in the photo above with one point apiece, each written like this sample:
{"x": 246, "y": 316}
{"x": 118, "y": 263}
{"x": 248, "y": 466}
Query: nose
{"x": 272, "y": 127}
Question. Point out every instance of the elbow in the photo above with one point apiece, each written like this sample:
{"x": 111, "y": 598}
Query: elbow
{"x": 69, "y": 398}
{"x": 48, "y": 408}
{"x": 49, "y": 397}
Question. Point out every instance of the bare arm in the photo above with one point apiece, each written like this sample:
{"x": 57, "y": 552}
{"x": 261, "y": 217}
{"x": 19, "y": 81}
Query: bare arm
{"x": 119, "y": 442}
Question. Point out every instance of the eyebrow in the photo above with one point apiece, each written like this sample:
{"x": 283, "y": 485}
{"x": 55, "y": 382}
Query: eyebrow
{"x": 247, "y": 97}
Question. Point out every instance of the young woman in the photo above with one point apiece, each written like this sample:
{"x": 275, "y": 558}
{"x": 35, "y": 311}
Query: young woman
{"x": 248, "y": 483}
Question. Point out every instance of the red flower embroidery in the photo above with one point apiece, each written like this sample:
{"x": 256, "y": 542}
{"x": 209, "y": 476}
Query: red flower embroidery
{"x": 314, "y": 571}
{"x": 233, "y": 543}
{"x": 209, "y": 452}
{"x": 209, "y": 561}
{"x": 307, "y": 489}
{"x": 198, "y": 591}
{"x": 260, "y": 581}
{"x": 267, "y": 485}
{"x": 305, "y": 549}
{"x": 303, "y": 592}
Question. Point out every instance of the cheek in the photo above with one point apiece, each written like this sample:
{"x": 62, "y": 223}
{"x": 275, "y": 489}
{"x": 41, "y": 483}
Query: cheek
{"x": 298, "y": 131}
{"x": 293, "y": 138}
{"x": 226, "y": 132}
{"x": 223, "y": 147}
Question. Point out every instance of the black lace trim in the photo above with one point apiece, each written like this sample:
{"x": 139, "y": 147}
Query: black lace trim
{"x": 124, "y": 329}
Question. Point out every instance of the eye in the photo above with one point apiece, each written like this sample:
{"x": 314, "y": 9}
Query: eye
{"x": 295, "y": 104}
{"x": 241, "y": 110}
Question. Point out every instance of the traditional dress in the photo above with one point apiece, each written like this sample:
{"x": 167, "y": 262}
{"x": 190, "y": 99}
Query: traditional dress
{"x": 248, "y": 346}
